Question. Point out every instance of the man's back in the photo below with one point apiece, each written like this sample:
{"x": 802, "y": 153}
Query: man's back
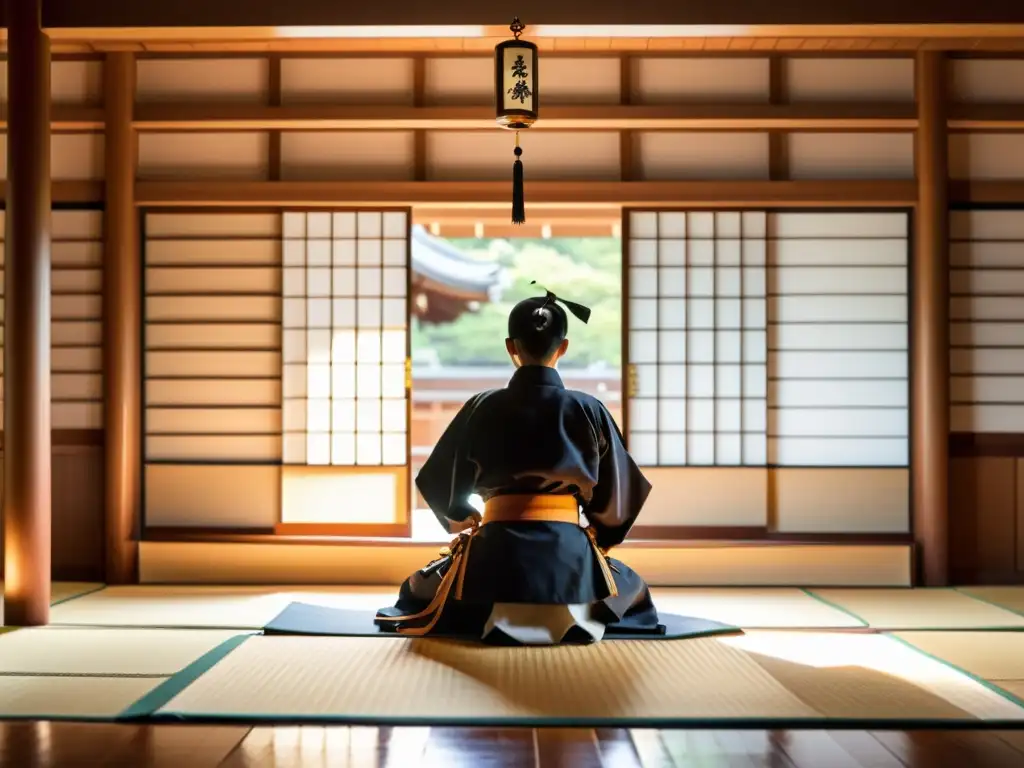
{"x": 535, "y": 436}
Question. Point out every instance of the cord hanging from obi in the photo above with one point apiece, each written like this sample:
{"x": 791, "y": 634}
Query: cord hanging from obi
{"x": 518, "y": 200}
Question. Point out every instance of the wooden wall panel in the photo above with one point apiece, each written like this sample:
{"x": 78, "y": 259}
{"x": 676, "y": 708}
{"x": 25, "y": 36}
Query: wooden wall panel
{"x": 851, "y": 156}
{"x": 675, "y": 155}
{"x": 231, "y": 80}
{"x": 339, "y": 156}
{"x": 220, "y": 156}
{"x": 347, "y": 81}
{"x": 841, "y": 500}
{"x": 707, "y": 496}
{"x": 983, "y": 519}
{"x": 212, "y": 346}
{"x": 695, "y": 80}
{"x": 987, "y": 321}
{"x": 77, "y": 503}
{"x": 216, "y": 496}
{"x": 487, "y": 155}
{"x": 831, "y": 79}
{"x": 1020, "y": 515}
{"x": 986, "y": 156}
{"x": 980, "y": 81}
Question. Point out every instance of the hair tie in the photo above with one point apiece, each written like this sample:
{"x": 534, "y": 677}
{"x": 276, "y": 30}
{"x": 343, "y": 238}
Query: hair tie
{"x": 579, "y": 311}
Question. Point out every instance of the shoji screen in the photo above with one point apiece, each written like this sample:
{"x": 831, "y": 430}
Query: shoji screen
{"x": 212, "y": 369}
{"x": 77, "y": 320}
{"x": 987, "y": 321}
{"x": 696, "y": 353}
{"x": 838, "y": 370}
{"x": 345, "y": 350}
{"x": 76, "y": 309}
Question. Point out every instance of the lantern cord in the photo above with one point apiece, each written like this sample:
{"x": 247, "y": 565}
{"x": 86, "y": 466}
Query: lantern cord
{"x": 518, "y": 199}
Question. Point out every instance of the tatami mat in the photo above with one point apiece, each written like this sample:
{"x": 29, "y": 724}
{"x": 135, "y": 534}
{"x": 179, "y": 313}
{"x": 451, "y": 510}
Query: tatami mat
{"x": 920, "y": 609}
{"x": 1010, "y": 598}
{"x": 988, "y": 655}
{"x": 856, "y": 676}
{"x": 105, "y": 652}
{"x": 206, "y": 607}
{"x": 60, "y": 591}
{"x": 762, "y": 676}
{"x": 47, "y": 698}
{"x": 754, "y": 608}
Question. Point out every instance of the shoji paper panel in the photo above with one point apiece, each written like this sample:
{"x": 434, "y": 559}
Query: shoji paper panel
{"x": 666, "y": 80}
{"x": 851, "y": 155}
{"x": 349, "y": 155}
{"x": 487, "y": 155}
{"x": 856, "y": 79}
{"x": 347, "y": 81}
{"x": 345, "y": 293}
{"x": 345, "y": 369}
{"x": 76, "y": 306}
{"x": 999, "y": 81}
{"x": 76, "y": 359}
{"x": 838, "y": 340}
{"x": 71, "y": 82}
{"x": 679, "y": 155}
{"x": 237, "y": 80}
{"x": 986, "y": 156}
{"x": 73, "y": 156}
{"x": 566, "y": 80}
{"x": 987, "y": 321}
{"x": 221, "y": 156}
{"x": 212, "y": 338}
{"x": 696, "y": 307}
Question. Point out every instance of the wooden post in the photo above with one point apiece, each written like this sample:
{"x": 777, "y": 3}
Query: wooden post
{"x": 27, "y": 458}
{"x": 122, "y": 327}
{"x": 929, "y": 398}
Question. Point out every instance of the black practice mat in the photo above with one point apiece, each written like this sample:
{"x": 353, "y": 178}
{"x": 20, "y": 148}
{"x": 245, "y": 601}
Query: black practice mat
{"x": 305, "y": 619}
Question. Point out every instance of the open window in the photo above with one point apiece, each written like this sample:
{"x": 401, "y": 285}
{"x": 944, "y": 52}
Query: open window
{"x": 467, "y": 275}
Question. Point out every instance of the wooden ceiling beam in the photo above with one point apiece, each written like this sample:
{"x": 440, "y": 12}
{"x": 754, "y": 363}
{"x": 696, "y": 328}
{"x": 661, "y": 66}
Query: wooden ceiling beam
{"x": 710, "y": 194}
{"x": 322, "y": 117}
{"x": 814, "y": 117}
{"x": 582, "y": 203}
{"x": 67, "y": 118}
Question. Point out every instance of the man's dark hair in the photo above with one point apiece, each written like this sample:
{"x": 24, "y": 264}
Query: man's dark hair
{"x": 538, "y": 326}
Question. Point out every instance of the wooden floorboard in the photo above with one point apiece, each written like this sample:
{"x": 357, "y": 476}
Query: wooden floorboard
{"x": 75, "y": 745}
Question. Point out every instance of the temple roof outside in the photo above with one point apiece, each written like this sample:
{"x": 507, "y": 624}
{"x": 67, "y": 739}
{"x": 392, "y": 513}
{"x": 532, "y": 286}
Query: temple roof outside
{"x": 444, "y": 265}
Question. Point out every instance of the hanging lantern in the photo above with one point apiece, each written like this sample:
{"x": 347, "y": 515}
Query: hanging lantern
{"x": 515, "y": 100}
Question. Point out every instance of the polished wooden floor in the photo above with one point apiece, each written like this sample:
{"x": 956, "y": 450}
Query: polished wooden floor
{"x": 70, "y": 745}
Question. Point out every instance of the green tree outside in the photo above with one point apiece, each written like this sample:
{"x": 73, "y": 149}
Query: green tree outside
{"x": 585, "y": 270}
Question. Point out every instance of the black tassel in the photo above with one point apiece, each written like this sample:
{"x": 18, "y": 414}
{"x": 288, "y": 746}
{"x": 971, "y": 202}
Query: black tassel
{"x": 518, "y": 201}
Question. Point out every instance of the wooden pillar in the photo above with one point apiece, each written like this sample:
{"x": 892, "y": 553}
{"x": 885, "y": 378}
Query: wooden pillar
{"x": 929, "y": 397}
{"x": 122, "y": 327}
{"x": 27, "y": 458}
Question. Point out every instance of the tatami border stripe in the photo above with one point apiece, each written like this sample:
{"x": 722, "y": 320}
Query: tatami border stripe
{"x": 950, "y": 665}
{"x": 172, "y": 686}
{"x": 69, "y": 598}
{"x": 963, "y": 591}
{"x": 663, "y": 723}
{"x": 814, "y": 596}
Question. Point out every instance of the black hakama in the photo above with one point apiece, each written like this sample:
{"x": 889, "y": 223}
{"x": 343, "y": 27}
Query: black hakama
{"x": 533, "y": 438}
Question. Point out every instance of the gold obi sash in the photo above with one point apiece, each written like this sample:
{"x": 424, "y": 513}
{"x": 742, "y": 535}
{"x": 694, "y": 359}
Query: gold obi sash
{"x": 511, "y": 508}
